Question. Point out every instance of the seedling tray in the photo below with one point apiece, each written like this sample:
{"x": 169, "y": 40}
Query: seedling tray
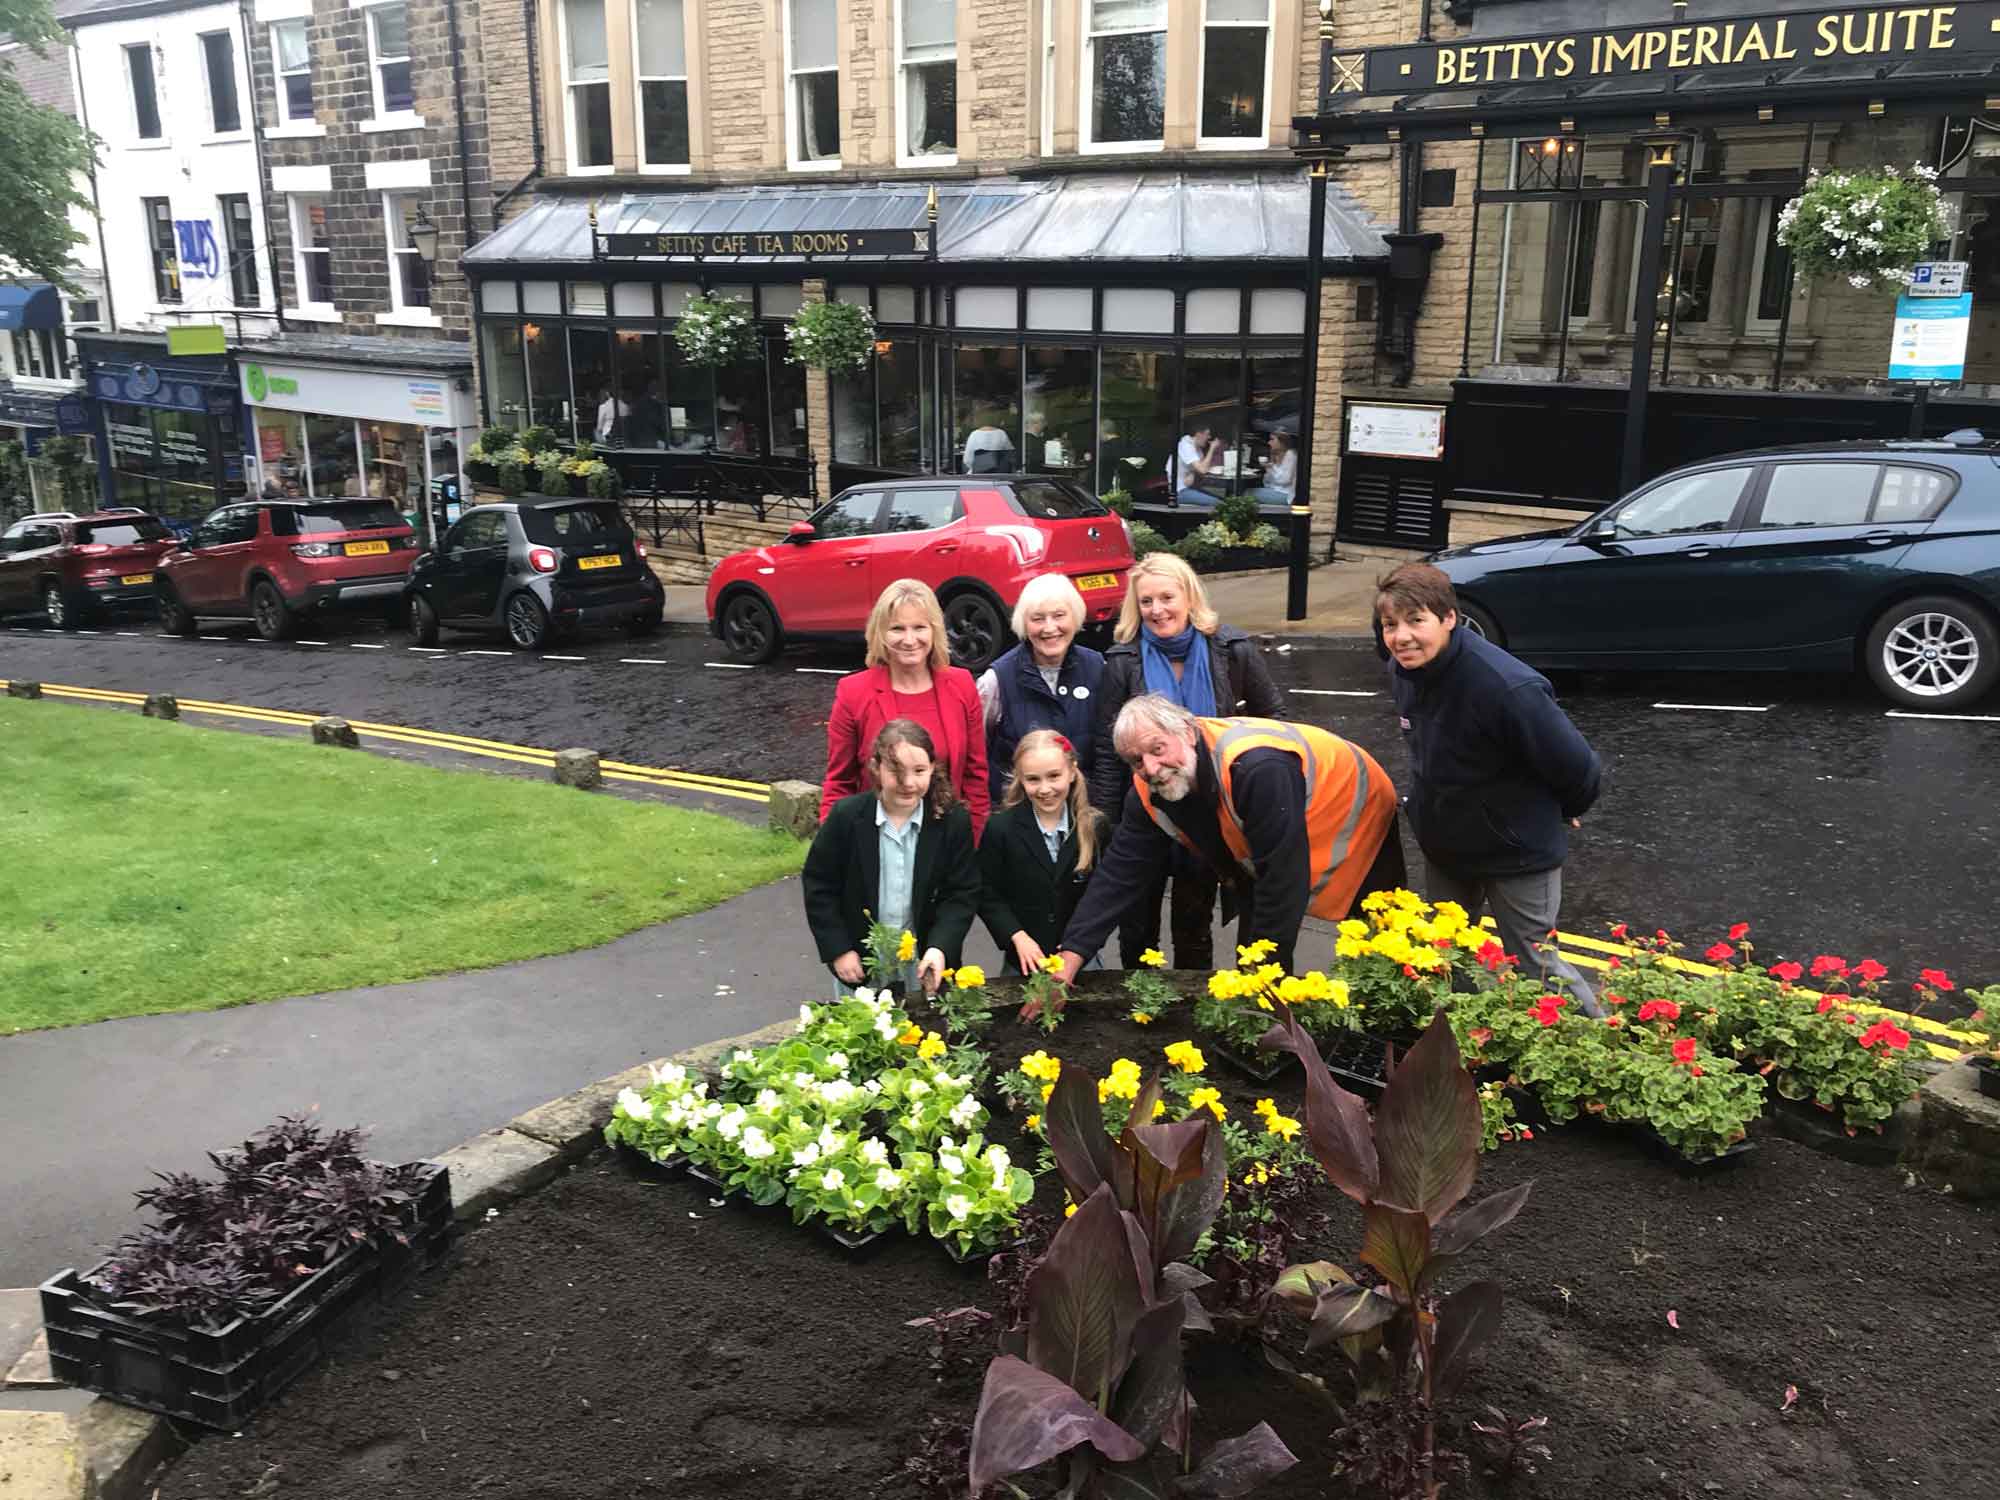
{"x": 653, "y": 1168}
{"x": 218, "y": 1377}
{"x": 1358, "y": 1061}
{"x": 856, "y": 1242}
{"x": 1259, "y": 1067}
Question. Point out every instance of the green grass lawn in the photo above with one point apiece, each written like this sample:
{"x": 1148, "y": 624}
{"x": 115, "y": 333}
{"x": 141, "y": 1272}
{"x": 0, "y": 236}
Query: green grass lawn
{"x": 148, "y": 866}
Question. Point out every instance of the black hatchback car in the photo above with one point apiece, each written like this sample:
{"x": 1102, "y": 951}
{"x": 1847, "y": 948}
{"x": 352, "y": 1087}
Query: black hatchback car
{"x": 534, "y": 568}
{"x": 1879, "y": 555}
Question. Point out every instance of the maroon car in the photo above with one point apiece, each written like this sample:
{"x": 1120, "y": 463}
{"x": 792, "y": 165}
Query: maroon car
{"x": 76, "y": 568}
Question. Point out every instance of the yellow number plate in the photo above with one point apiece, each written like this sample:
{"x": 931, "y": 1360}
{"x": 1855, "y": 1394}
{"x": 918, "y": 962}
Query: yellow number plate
{"x": 131, "y": 578}
{"x": 609, "y": 560}
{"x": 366, "y": 549}
{"x": 1097, "y": 581}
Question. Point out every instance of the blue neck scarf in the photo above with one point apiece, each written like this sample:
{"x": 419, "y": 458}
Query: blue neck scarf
{"x": 1194, "y": 690}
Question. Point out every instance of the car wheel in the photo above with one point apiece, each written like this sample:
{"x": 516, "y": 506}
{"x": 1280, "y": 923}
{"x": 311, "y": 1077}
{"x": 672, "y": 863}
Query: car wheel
{"x": 1481, "y": 623}
{"x": 175, "y": 617}
{"x": 974, "y": 630}
{"x": 1933, "y": 653}
{"x": 527, "y": 622}
{"x": 268, "y": 612}
{"x": 750, "y": 629}
{"x": 56, "y": 605}
{"x": 423, "y": 621}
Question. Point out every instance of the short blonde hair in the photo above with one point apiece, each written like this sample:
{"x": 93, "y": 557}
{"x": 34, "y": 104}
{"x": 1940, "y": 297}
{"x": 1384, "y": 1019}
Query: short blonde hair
{"x": 1176, "y": 571}
{"x": 1044, "y": 589}
{"x": 906, "y": 591}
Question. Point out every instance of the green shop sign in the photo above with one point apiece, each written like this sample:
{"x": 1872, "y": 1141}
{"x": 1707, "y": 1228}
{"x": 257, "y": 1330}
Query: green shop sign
{"x": 259, "y": 386}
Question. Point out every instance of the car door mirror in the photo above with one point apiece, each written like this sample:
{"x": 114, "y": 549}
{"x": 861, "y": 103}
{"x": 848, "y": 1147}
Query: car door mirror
{"x": 801, "y": 531}
{"x": 1602, "y": 530}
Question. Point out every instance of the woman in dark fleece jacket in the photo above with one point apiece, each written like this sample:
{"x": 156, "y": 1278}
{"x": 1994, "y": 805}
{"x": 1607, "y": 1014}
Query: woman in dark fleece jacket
{"x": 1169, "y": 641}
{"x": 1498, "y": 774}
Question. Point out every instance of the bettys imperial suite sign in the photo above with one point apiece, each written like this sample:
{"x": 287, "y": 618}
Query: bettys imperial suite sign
{"x": 1784, "y": 40}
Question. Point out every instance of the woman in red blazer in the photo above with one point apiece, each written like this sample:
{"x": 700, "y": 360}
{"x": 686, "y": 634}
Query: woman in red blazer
{"x": 909, "y": 676}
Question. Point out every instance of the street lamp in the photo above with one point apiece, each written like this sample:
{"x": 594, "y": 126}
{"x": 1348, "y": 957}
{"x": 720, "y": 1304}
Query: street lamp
{"x": 424, "y": 237}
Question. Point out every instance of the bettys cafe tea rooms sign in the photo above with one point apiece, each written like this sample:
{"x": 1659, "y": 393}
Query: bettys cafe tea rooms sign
{"x": 1885, "y": 34}
{"x": 790, "y": 243}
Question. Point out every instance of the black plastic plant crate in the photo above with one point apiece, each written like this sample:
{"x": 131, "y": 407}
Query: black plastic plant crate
{"x": 1260, "y": 1067}
{"x": 855, "y": 1242}
{"x": 653, "y": 1168}
{"x": 219, "y": 1377}
{"x": 1360, "y": 1062}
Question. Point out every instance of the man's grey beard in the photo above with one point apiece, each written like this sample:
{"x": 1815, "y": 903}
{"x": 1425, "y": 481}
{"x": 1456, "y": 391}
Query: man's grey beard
{"x": 1172, "y": 786}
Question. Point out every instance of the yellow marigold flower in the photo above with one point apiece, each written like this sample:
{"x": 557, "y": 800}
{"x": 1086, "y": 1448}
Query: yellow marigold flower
{"x": 1068, "y": 1209}
{"x": 1048, "y": 1089}
{"x": 1159, "y": 1108}
{"x": 931, "y": 1046}
{"x": 1038, "y": 1064}
{"x": 907, "y": 948}
{"x": 1472, "y": 939}
{"x": 1263, "y": 1003}
{"x": 1225, "y": 985}
{"x": 970, "y": 977}
{"x": 1268, "y": 975}
{"x": 1451, "y": 916}
{"x": 1123, "y": 1082}
{"x": 1261, "y": 1175}
{"x": 1053, "y": 964}
{"x": 1186, "y": 1056}
{"x": 1254, "y": 953}
{"x": 1153, "y": 958}
{"x": 1425, "y": 957}
{"x": 1349, "y": 947}
{"x": 1336, "y": 993}
{"x": 912, "y": 1036}
{"x": 1033, "y": 1122}
{"x": 1141, "y": 1018}
{"x": 1265, "y": 1107}
{"x": 1375, "y": 901}
{"x": 1409, "y": 901}
{"x": 1282, "y": 1126}
{"x": 1353, "y": 927}
{"x": 1208, "y": 1099}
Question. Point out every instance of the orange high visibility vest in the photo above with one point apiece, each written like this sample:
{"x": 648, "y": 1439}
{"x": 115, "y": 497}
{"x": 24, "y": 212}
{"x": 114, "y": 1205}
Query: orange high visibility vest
{"x": 1350, "y": 803}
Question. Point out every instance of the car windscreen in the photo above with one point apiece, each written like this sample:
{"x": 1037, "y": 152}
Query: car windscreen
{"x": 1054, "y": 502}
{"x": 345, "y": 515}
{"x": 122, "y": 533}
{"x": 573, "y": 525}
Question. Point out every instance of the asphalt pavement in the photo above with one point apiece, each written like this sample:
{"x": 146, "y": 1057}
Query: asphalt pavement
{"x": 1801, "y": 805}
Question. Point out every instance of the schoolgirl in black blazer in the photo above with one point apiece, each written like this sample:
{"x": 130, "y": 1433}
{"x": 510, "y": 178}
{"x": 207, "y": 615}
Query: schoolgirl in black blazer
{"x": 1026, "y": 898}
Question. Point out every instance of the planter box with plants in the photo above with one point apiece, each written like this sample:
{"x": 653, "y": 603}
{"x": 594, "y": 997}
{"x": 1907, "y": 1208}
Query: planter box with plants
{"x": 533, "y": 461}
{"x": 238, "y": 1285}
{"x": 1232, "y": 540}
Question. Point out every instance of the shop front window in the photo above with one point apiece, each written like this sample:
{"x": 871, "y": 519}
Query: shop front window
{"x": 506, "y": 374}
{"x": 690, "y": 403}
{"x": 739, "y": 409}
{"x": 336, "y": 468}
{"x": 548, "y": 377}
{"x": 788, "y": 400}
{"x": 851, "y": 400}
{"x": 597, "y": 405}
{"x": 986, "y": 408}
{"x": 1135, "y": 435}
{"x": 186, "y": 462}
{"x": 1277, "y": 386}
{"x": 1214, "y": 400}
{"x": 133, "y": 463}
{"x": 643, "y": 421}
{"x": 900, "y": 398}
{"x": 281, "y": 453}
{"x": 1062, "y": 393}
{"x": 391, "y": 453}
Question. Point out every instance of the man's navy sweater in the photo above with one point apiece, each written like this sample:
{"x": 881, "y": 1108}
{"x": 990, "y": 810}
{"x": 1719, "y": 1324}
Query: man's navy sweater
{"x": 1497, "y": 769}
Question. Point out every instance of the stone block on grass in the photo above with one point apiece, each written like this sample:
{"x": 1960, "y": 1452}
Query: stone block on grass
{"x": 17, "y": 688}
{"x": 1956, "y": 1140}
{"x": 40, "y": 1458}
{"x": 161, "y": 706}
{"x": 333, "y": 731}
{"x": 795, "y": 808}
{"x": 582, "y": 769}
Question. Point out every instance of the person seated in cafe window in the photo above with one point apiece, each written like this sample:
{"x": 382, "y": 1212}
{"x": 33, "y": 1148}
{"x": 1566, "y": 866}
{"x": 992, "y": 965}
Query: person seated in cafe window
{"x": 1281, "y": 474}
{"x": 1198, "y": 455}
{"x": 988, "y": 448}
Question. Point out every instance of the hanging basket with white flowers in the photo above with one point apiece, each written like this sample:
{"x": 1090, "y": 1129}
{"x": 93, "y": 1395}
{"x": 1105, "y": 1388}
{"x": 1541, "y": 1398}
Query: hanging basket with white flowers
{"x": 831, "y": 336}
{"x": 1870, "y": 227}
{"x": 717, "y": 331}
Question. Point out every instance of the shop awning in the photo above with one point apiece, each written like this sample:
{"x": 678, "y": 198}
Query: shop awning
{"x": 35, "y": 306}
{"x": 1087, "y": 218}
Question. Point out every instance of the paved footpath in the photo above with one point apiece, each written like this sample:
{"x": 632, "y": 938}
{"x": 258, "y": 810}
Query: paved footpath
{"x": 89, "y": 1112}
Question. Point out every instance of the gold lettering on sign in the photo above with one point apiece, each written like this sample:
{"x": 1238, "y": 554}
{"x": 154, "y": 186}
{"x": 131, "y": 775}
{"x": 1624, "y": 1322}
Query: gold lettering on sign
{"x": 1565, "y": 57}
{"x": 1705, "y": 38}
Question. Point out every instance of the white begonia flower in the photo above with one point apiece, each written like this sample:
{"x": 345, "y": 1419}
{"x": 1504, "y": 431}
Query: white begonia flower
{"x": 803, "y": 1080}
{"x": 872, "y": 1086}
{"x": 730, "y": 1125}
{"x": 743, "y": 1055}
{"x": 998, "y": 1159}
{"x": 885, "y": 1026}
{"x": 634, "y": 1106}
{"x": 951, "y": 1164}
{"x": 865, "y": 995}
{"x": 917, "y": 1089}
{"x": 805, "y": 1016}
{"x": 669, "y": 1073}
{"x": 912, "y": 1124}
{"x": 965, "y": 1111}
{"x": 838, "y": 1092}
{"x": 767, "y": 1100}
{"x": 958, "y": 1205}
{"x": 946, "y": 1143}
{"x": 874, "y": 1152}
{"x": 806, "y": 1155}
{"x": 830, "y": 1140}
{"x": 888, "y": 1181}
{"x": 756, "y": 1145}
{"x": 834, "y": 1180}
{"x": 837, "y": 1061}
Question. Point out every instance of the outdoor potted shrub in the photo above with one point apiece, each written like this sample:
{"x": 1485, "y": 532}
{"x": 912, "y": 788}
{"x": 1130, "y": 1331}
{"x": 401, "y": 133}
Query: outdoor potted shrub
{"x": 234, "y": 1288}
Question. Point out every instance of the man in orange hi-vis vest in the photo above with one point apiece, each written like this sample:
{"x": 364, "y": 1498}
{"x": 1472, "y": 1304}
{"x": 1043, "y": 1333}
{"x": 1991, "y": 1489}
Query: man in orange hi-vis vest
{"x": 1294, "y": 819}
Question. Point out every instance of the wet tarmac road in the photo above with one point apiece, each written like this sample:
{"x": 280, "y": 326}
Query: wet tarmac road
{"x": 1830, "y": 824}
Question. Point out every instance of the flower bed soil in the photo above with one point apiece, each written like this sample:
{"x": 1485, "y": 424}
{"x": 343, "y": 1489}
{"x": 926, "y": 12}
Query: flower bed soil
{"x": 616, "y": 1335}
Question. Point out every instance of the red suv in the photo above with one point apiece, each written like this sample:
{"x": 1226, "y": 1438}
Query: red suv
{"x": 976, "y": 540}
{"x": 275, "y": 560}
{"x": 73, "y": 568}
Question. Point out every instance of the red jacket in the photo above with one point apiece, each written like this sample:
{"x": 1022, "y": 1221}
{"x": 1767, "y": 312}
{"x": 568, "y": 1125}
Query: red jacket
{"x": 864, "y": 702}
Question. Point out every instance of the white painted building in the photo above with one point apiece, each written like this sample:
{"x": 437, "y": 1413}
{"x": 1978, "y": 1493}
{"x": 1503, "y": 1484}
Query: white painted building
{"x": 178, "y": 193}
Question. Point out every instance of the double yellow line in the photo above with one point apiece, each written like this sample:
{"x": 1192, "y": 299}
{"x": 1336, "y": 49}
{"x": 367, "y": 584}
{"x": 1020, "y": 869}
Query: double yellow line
{"x": 436, "y": 739}
{"x": 1568, "y": 942}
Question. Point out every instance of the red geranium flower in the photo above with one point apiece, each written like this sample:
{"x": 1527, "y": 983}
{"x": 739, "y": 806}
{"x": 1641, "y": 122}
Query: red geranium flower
{"x": 1825, "y": 1004}
{"x": 1888, "y": 1033}
{"x": 1614, "y": 962}
{"x": 1612, "y": 997}
{"x": 1935, "y": 978}
{"x": 1662, "y": 935}
{"x": 1850, "y": 1018}
{"x": 1694, "y": 1072}
{"x": 1479, "y": 1036}
{"x": 1684, "y": 1050}
{"x": 1721, "y": 953}
{"x": 1868, "y": 971}
{"x": 1409, "y": 972}
{"x": 1548, "y": 1009}
{"x": 1786, "y": 972}
{"x": 1621, "y": 931}
{"x": 1739, "y": 932}
{"x": 1829, "y": 963}
{"x": 1665, "y": 1008}
{"x": 1614, "y": 1020}
{"x": 1491, "y": 955}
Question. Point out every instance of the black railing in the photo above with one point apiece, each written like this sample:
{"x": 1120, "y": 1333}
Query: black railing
{"x": 663, "y": 520}
{"x": 781, "y": 487}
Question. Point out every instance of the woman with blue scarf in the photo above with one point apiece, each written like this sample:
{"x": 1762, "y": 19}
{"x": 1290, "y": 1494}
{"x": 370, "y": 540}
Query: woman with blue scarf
{"x": 1169, "y": 641}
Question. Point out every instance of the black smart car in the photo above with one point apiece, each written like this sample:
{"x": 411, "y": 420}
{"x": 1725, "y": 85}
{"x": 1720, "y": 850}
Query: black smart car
{"x": 533, "y": 568}
{"x": 1878, "y": 556}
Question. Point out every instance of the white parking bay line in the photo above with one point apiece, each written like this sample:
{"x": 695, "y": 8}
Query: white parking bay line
{"x": 481, "y": 651}
{"x": 1719, "y": 708}
{"x": 131, "y": 633}
{"x": 432, "y": 650}
{"x": 87, "y": 632}
{"x": 827, "y": 671}
{"x": 642, "y": 661}
{"x": 366, "y": 646}
{"x": 1334, "y": 692}
{"x": 729, "y": 666}
{"x": 1897, "y": 713}
{"x": 308, "y": 643}
{"x": 546, "y": 656}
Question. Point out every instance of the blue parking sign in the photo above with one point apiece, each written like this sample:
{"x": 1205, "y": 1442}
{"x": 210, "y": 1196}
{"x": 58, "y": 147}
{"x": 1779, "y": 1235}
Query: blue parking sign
{"x": 1930, "y": 337}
